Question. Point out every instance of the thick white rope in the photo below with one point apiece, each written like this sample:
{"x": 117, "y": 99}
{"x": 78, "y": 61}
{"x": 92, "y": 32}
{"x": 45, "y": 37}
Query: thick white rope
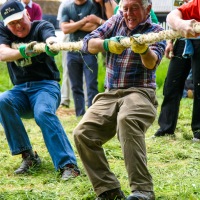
{"x": 149, "y": 38}
{"x": 66, "y": 46}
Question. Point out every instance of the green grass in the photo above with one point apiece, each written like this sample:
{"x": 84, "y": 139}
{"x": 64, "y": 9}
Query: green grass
{"x": 173, "y": 162}
{"x": 5, "y": 82}
{"x": 161, "y": 72}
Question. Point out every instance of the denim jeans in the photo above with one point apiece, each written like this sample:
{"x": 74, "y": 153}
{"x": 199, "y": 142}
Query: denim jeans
{"x": 79, "y": 64}
{"x": 40, "y": 100}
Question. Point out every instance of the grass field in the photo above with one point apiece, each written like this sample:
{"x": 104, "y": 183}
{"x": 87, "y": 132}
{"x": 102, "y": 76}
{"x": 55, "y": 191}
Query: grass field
{"x": 174, "y": 162}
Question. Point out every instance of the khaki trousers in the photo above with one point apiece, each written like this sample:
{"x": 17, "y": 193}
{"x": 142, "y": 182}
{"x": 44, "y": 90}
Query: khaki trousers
{"x": 129, "y": 113}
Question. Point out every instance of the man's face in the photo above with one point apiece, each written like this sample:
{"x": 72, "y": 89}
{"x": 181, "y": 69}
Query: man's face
{"x": 20, "y": 27}
{"x": 99, "y": 1}
{"x": 79, "y": 2}
{"x": 134, "y": 13}
{"x": 26, "y": 1}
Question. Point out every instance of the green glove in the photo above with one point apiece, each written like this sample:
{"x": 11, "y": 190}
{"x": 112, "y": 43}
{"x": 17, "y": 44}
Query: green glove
{"x": 113, "y": 45}
{"x": 137, "y": 47}
{"x": 49, "y": 52}
{"x": 48, "y": 47}
{"x": 27, "y": 51}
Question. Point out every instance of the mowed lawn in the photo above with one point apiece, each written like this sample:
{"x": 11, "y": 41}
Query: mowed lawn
{"x": 174, "y": 162}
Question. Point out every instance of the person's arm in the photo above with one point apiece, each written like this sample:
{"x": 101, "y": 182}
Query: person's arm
{"x": 71, "y": 27}
{"x": 89, "y": 27}
{"x": 95, "y": 45}
{"x": 8, "y": 54}
{"x": 169, "y": 49}
{"x": 185, "y": 27}
{"x": 95, "y": 20}
{"x": 148, "y": 56}
{"x": 149, "y": 59}
{"x": 110, "y": 6}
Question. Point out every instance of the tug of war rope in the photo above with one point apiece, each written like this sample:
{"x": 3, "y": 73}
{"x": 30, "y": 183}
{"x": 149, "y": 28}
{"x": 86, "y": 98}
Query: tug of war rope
{"x": 149, "y": 38}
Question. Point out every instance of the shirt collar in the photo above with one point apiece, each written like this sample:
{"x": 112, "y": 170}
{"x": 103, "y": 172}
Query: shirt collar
{"x": 29, "y": 4}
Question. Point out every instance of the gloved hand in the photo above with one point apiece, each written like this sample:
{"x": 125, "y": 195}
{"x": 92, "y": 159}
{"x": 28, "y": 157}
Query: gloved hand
{"x": 113, "y": 45}
{"x": 48, "y": 47}
{"x": 137, "y": 47}
{"x": 27, "y": 51}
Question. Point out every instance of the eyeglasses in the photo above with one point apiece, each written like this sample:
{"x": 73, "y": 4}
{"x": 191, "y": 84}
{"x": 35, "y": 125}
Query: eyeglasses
{"x": 14, "y": 23}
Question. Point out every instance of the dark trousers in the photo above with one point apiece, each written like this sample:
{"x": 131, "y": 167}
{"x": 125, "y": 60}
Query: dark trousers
{"x": 196, "y": 81}
{"x": 178, "y": 71}
{"x": 79, "y": 64}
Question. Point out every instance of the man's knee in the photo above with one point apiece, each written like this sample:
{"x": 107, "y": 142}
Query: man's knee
{"x": 4, "y": 102}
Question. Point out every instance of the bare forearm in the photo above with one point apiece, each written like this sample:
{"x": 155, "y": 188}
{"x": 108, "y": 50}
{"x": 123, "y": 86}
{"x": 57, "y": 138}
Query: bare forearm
{"x": 184, "y": 27}
{"x": 174, "y": 19}
{"x": 95, "y": 45}
{"x": 110, "y": 6}
{"x": 72, "y": 27}
{"x": 89, "y": 27}
{"x": 8, "y": 54}
{"x": 149, "y": 59}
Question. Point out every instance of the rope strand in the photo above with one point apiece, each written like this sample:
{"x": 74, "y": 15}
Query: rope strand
{"x": 149, "y": 38}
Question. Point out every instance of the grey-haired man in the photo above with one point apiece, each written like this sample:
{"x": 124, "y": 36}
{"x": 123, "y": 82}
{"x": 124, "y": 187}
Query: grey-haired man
{"x": 127, "y": 108}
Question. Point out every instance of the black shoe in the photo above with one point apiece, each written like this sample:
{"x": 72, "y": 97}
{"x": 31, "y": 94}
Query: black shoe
{"x": 141, "y": 195}
{"x": 159, "y": 133}
{"x": 196, "y": 137}
{"x": 69, "y": 171}
{"x": 30, "y": 160}
{"x": 115, "y": 194}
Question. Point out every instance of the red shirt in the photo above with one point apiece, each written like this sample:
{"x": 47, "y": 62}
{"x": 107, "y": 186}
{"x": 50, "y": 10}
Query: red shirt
{"x": 35, "y": 12}
{"x": 191, "y": 10}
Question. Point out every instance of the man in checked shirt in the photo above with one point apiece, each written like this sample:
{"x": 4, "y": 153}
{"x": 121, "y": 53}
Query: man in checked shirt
{"x": 127, "y": 107}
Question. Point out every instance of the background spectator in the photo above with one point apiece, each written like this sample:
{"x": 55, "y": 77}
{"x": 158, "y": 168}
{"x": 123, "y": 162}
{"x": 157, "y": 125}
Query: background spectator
{"x": 65, "y": 87}
{"x": 34, "y": 9}
{"x": 178, "y": 70}
{"x": 77, "y": 22}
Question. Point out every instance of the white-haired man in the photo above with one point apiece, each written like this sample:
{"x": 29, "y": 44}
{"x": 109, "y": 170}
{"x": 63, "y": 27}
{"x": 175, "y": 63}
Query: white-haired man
{"x": 128, "y": 107}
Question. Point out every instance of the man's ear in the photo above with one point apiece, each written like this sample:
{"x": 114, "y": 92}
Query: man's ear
{"x": 148, "y": 9}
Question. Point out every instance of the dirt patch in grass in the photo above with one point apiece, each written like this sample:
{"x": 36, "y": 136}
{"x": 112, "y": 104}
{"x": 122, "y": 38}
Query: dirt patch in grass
{"x": 62, "y": 111}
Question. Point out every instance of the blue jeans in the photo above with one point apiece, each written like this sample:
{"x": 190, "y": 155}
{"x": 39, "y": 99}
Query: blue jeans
{"x": 40, "y": 100}
{"x": 79, "y": 64}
